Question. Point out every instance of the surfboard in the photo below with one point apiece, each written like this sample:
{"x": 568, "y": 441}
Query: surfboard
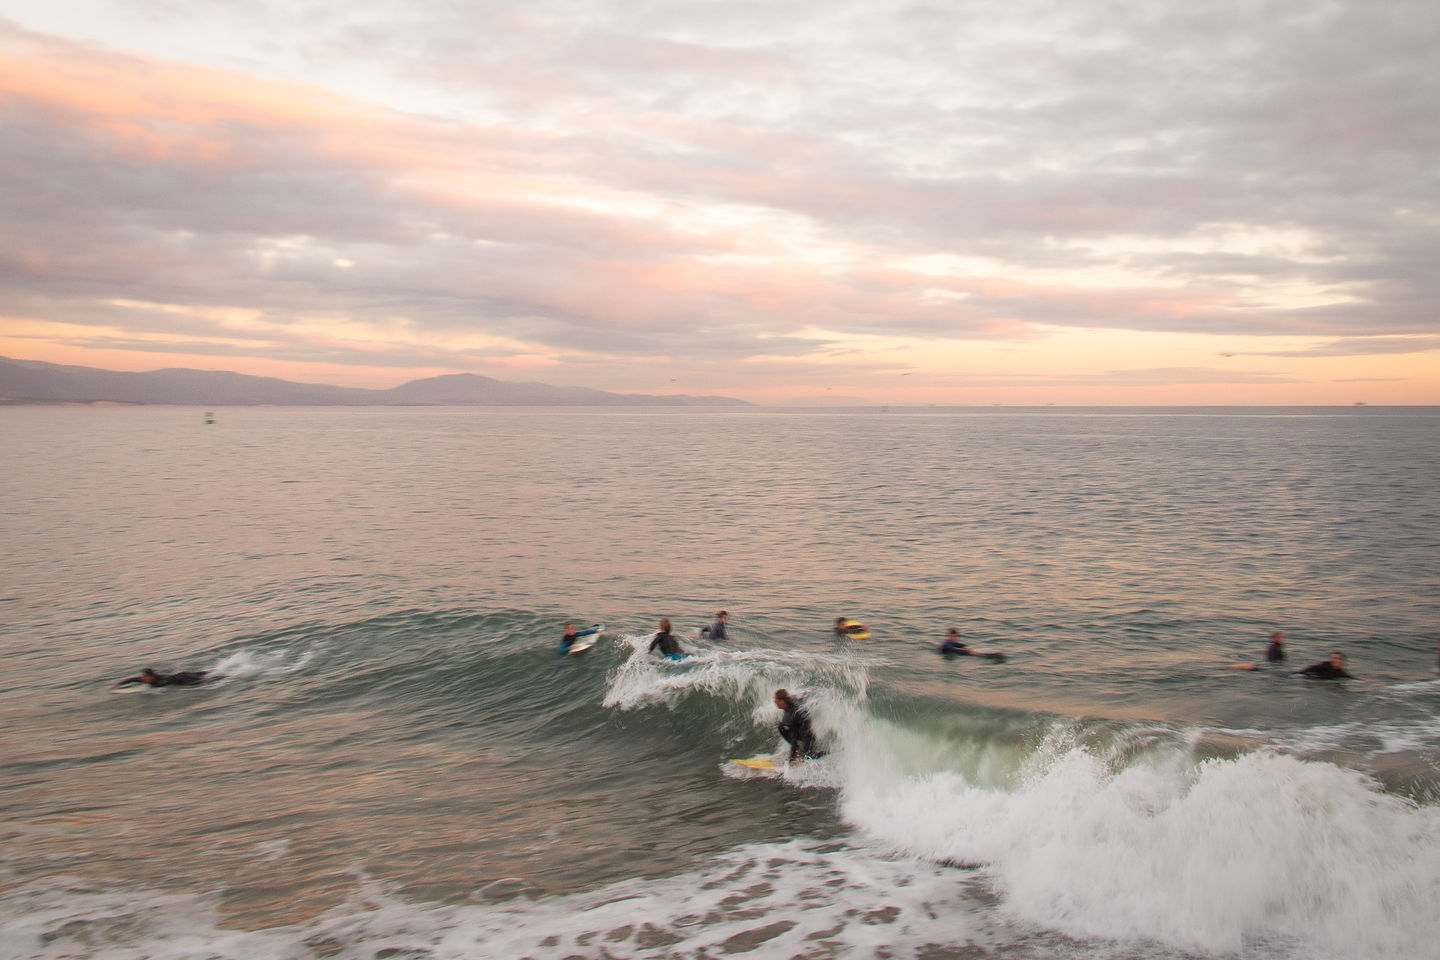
{"x": 585, "y": 639}
{"x": 764, "y": 764}
{"x": 997, "y": 656}
{"x": 854, "y": 630}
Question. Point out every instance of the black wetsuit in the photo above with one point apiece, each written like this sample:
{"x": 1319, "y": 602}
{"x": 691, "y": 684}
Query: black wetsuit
{"x": 955, "y": 648}
{"x": 667, "y": 644}
{"x": 1274, "y": 653}
{"x": 717, "y": 631}
{"x": 1324, "y": 670}
{"x": 566, "y": 642}
{"x": 795, "y": 728}
{"x": 185, "y": 678}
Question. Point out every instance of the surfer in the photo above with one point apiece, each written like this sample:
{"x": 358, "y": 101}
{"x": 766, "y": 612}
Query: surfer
{"x": 567, "y": 641}
{"x": 795, "y": 725}
{"x": 1332, "y": 669}
{"x": 952, "y": 645}
{"x": 1275, "y": 653}
{"x": 185, "y": 678}
{"x": 669, "y": 648}
{"x": 716, "y": 630}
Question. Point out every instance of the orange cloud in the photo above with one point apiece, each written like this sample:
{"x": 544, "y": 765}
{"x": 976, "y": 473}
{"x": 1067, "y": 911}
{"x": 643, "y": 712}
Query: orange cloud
{"x": 156, "y": 110}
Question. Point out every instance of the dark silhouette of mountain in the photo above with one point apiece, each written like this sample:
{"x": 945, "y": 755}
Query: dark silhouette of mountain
{"x": 33, "y": 381}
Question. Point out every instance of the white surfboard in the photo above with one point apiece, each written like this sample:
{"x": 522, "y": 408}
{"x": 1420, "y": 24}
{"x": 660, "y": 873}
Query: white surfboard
{"x": 585, "y": 639}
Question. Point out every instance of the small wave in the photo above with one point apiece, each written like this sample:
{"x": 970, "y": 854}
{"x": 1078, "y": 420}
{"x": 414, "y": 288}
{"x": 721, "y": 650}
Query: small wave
{"x": 1367, "y": 737}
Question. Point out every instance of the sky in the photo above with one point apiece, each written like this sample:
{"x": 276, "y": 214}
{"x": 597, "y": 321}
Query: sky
{"x": 854, "y": 201}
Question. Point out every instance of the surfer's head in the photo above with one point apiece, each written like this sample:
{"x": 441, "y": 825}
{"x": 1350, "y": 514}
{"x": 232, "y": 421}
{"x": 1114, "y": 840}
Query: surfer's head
{"x": 1337, "y": 659}
{"x": 149, "y": 676}
{"x": 782, "y": 697}
{"x": 664, "y": 624}
{"x": 1277, "y": 637}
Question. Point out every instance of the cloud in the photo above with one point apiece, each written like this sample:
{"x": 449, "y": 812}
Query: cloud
{"x": 608, "y": 182}
{"x": 1361, "y": 347}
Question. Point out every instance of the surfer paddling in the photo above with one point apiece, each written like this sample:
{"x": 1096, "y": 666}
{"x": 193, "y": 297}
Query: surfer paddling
{"x": 953, "y": 647}
{"x": 1332, "y": 669}
{"x": 185, "y": 678}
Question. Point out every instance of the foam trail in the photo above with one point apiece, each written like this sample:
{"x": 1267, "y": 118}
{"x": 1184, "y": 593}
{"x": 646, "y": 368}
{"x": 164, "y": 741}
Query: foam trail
{"x": 257, "y": 663}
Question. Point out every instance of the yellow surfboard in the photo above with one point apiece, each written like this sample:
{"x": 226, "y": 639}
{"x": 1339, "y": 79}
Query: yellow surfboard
{"x": 766, "y": 764}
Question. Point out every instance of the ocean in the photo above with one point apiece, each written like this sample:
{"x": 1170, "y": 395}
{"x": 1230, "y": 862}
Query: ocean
{"x": 397, "y": 764}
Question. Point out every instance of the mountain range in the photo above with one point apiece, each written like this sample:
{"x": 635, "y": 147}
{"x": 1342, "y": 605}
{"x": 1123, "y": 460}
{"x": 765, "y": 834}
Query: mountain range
{"x": 33, "y": 381}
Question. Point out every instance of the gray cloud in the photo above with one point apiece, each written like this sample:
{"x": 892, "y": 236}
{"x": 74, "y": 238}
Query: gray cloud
{"x": 1040, "y": 137}
{"x": 1361, "y": 347}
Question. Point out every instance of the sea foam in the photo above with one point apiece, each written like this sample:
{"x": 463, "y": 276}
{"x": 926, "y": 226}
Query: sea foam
{"x": 1219, "y": 857}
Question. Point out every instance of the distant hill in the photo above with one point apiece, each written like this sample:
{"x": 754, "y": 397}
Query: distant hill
{"x": 32, "y": 381}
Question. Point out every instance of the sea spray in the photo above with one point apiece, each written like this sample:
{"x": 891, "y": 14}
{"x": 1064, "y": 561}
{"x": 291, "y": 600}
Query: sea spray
{"x": 262, "y": 664}
{"x": 1215, "y": 856}
{"x": 746, "y": 678}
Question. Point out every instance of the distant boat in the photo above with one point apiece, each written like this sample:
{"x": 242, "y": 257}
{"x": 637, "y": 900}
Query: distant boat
{"x": 209, "y": 416}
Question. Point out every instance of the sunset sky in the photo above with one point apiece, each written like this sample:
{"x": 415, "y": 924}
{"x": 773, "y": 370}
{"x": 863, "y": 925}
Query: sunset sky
{"x": 855, "y": 201}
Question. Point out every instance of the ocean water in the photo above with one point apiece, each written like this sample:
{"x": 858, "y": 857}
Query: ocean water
{"x": 398, "y": 765}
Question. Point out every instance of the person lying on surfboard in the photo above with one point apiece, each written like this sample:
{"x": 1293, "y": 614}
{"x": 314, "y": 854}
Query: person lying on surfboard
{"x": 567, "y": 641}
{"x": 669, "y": 647}
{"x": 185, "y": 678}
{"x": 1332, "y": 669}
{"x": 952, "y": 645}
{"x": 795, "y": 726}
